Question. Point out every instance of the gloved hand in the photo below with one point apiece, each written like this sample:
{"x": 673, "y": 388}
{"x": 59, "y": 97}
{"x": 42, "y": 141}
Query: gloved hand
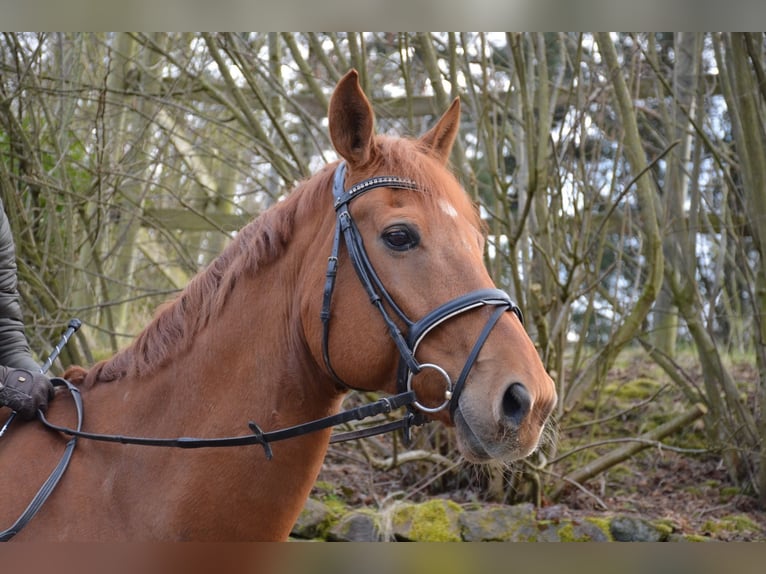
{"x": 24, "y": 391}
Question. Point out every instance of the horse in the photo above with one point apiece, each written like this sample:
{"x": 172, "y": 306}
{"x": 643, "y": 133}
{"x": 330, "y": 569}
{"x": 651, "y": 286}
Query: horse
{"x": 277, "y": 329}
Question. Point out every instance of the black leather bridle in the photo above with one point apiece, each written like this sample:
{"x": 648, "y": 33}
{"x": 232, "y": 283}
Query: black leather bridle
{"x": 416, "y": 331}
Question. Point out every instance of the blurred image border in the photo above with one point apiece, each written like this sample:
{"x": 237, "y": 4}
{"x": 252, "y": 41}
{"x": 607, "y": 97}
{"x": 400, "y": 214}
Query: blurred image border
{"x": 380, "y": 15}
{"x": 374, "y": 558}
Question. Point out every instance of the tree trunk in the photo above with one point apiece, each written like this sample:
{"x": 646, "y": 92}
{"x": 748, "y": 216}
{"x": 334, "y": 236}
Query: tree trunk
{"x": 679, "y": 243}
{"x": 747, "y": 102}
{"x": 646, "y": 195}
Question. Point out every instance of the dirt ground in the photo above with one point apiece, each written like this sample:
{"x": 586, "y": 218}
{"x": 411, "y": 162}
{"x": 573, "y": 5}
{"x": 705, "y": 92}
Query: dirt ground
{"x": 690, "y": 492}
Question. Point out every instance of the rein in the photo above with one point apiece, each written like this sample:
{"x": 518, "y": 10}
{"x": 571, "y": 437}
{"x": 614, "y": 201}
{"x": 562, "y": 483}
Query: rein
{"x": 256, "y": 436}
{"x": 47, "y": 488}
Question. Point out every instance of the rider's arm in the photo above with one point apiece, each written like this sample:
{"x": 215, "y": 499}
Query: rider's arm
{"x": 14, "y": 347}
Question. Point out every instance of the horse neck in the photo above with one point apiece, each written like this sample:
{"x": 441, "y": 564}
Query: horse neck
{"x": 257, "y": 351}
{"x": 250, "y": 362}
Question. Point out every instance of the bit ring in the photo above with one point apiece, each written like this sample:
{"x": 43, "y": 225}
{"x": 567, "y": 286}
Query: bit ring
{"x": 447, "y": 390}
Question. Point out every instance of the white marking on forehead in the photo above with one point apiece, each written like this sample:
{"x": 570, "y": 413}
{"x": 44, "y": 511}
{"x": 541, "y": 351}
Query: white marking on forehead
{"x": 447, "y": 208}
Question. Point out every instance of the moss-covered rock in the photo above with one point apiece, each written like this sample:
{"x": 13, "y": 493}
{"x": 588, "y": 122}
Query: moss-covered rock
{"x": 496, "y": 523}
{"x": 585, "y": 531}
{"x": 739, "y": 523}
{"x": 633, "y": 529}
{"x": 357, "y": 526}
{"x": 432, "y": 521}
{"x": 314, "y": 520}
{"x": 444, "y": 520}
{"x": 566, "y": 530}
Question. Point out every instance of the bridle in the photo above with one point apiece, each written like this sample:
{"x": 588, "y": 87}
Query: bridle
{"x": 406, "y": 344}
{"x": 416, "y": 331}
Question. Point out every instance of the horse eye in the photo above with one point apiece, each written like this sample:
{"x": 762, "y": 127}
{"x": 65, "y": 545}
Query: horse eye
{"x": 400, "y": 238}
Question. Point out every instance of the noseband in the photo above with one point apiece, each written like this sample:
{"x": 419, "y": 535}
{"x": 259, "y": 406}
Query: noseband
{"x": 407, "y": 344}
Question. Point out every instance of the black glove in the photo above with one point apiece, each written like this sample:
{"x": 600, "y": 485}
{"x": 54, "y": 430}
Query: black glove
{"x": 24, "y": 391}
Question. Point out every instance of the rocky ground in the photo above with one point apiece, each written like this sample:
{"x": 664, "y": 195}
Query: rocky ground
{"x": 676, "y": 500}
{"x": 679, "y": 493}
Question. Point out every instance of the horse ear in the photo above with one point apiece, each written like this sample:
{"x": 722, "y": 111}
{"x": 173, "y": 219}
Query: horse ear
{"x": 440, "y": 138}
{"x": 351, "y": 120}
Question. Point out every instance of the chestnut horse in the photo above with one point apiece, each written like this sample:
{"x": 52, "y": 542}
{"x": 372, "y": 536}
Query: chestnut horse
{"x": 262, "y": 334}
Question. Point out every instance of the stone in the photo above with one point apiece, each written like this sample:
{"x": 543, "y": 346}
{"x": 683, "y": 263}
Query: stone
{"x": 312, "y": 521}
{"x": 498, "y": 523}
{"x": 356, "y": 526}
{"x": 632, "y": 529}
{"x": 581, "y": 531}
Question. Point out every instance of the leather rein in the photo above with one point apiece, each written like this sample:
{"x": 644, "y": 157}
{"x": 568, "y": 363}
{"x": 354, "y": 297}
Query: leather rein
{"x": 406, "y": 345}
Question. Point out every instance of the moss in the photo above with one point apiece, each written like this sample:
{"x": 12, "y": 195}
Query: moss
{"x": 590, "y": 530}
{"x": 695, "y": 538}
{"x": 732, "y": 523}
{"x": 583, "y": 414}
{"x": 323, "y": 488}
{"x": 691, "y": 437}
{"x": 314, "y": 521}
{"x": 497, "y": 523}
{"x": 665, "y": 527}
{"x": 602, "y": 524}
{"x": 328, "y": 494}
{"x": 566, "y": 533}
{"x": 432, "y": 521}
{"x": 637, "y": 389}
{"x": 337, "y": 507}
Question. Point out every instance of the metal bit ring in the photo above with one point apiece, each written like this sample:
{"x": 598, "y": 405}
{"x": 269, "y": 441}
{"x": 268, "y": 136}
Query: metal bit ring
{"x": 447, "y": 390}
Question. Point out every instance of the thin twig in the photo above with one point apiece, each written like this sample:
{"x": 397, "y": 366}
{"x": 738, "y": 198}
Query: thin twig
{"x": 616, "y": 415}
{"x": 622, "y": 453}
{"x": 580, "y": 487}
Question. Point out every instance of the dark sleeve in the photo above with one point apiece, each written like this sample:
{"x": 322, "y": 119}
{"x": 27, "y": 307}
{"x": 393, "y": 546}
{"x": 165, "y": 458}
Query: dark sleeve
{"x": 14, "y": 347}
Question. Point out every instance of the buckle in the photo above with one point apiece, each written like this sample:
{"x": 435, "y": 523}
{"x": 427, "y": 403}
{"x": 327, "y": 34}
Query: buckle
{"x": 411, "y": 419}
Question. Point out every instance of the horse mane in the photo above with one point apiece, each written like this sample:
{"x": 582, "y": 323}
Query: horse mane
{"x": 260, "y": 242}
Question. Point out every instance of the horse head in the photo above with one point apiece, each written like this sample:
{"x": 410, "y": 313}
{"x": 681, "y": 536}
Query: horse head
{"x": 422, "y": 244}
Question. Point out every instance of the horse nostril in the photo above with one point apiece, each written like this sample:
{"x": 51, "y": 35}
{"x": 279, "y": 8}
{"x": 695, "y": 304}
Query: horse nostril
{"x": 516, "y": 403}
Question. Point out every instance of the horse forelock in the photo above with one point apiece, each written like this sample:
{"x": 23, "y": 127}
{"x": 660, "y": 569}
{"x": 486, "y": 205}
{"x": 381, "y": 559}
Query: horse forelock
{"x": 261, "y": 242}
{"x": 407, "y": 158}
